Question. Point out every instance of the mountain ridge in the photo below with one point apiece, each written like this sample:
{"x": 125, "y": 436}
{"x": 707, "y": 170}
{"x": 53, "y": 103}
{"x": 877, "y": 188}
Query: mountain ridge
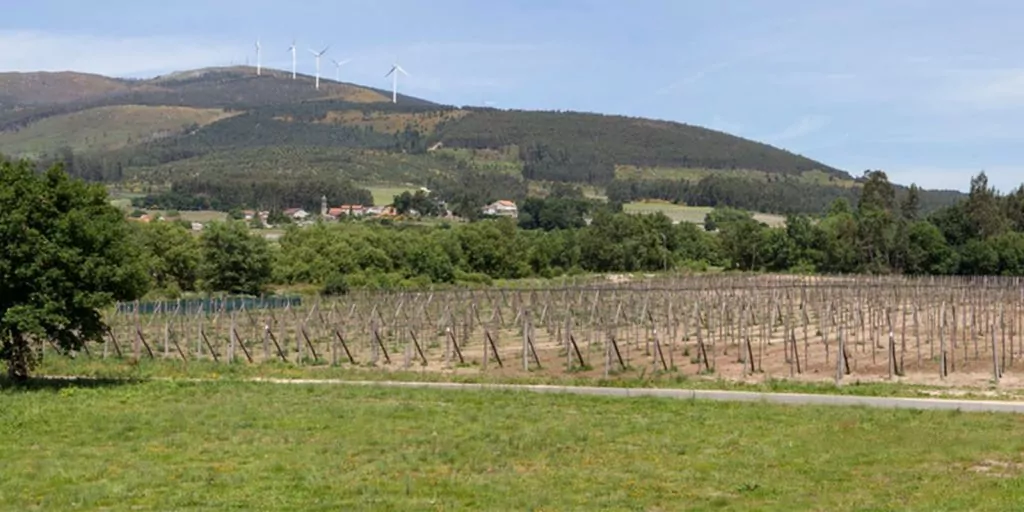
{"x": 355, "y": 133}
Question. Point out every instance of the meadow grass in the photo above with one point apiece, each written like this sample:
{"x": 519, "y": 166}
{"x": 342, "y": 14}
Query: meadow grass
{"x": 251, "y": 446}
{"x": 384, "y": 195}
{"x": 108, "y": 127}
{"x": 202, "y": 216}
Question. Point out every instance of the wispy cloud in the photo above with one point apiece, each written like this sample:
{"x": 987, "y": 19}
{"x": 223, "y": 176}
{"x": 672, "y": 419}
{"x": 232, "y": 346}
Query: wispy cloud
{"x": 983, "y": 89}
{"x": 801, "y": 128}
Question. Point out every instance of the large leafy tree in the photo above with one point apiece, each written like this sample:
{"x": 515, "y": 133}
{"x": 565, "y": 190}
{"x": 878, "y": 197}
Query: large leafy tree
{"x": 67, "y": 253}
{"x": 234, "y": 260}
{"x": 173, "y": 256}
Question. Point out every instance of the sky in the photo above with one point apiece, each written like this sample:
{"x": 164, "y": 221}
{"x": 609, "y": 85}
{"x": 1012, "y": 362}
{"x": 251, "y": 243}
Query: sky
{"x": 931, "y": 92}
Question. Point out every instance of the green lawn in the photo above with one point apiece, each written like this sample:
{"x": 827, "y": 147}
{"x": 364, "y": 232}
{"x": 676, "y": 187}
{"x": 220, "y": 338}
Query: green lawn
{"x": 692, "y": 214}
{"x": 249, "y": 446}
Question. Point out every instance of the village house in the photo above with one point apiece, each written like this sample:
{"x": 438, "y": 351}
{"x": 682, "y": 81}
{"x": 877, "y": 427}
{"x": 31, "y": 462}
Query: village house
{"x": 502, "y": 208}
{"x": 355, "y": 210}
{"x": 381, "y": 211}
{"x": 296, "y": 213}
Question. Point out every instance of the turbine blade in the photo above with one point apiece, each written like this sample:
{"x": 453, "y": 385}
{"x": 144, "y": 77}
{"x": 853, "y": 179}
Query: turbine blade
{"x": 404, "y": 72}
{"x": 389, "y": 72}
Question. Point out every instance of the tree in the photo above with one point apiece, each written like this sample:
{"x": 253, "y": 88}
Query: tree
{"x": 876, "y": 222}
{"x": 927, "y": 251}
{"x": 67, "y": 253}
{"x": 983, "y": 210}
{"x": 234, "y": 260}
{"x": 719, "y": 217}
{"x": 172, "y": 253}
{"x": 419, "y": 202}
{"x": 743, "y": 243}
{"x": 910, "y": 208}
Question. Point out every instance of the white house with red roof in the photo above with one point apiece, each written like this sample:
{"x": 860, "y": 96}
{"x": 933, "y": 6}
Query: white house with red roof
{"x": 502, "y": 208}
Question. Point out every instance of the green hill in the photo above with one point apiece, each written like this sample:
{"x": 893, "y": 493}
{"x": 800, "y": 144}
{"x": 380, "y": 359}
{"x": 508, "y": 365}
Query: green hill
{"x": 201, "y": 132}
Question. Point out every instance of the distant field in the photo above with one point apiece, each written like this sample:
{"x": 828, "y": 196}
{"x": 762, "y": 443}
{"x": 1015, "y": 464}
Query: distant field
{"x": 104, "y": 128}
{"x": 248, "y": 446}
{"x": 499, "y": 161}
{"x": 385, "y": 195}
{"x": 124, "y": 204}
{"x": 693, "y": 214}
{"x": 203, "y": 216}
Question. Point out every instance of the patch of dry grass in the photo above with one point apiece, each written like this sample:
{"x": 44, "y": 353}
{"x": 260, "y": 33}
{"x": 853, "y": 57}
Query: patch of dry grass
{"x": 105, "y": 128}
{"x": 60, "y": 87}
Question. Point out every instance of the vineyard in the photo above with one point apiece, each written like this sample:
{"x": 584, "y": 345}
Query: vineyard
{"x": 734, "y": 327}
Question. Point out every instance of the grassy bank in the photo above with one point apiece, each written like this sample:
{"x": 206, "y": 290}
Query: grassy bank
{"x": 150, "y": 369}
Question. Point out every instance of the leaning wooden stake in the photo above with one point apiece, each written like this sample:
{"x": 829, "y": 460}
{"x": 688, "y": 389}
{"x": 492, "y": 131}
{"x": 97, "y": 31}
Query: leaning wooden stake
{"x": 995, "y": 358}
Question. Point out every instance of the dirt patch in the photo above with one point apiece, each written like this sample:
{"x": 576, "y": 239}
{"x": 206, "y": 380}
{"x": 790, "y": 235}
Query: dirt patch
{"x": 998, "y": 469}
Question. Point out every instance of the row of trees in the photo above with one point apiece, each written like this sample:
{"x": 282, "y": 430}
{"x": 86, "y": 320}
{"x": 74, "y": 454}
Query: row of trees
{"x": 227, "y": 192}
{"x": 775, "y": 194}
{"x": 982, "y": 235}
{"x": 567, "y": 233}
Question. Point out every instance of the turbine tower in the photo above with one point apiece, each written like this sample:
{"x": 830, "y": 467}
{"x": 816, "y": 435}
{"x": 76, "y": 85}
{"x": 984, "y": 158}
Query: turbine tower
{"x": 292, "y": 49}
{"x": 258, "y": 62}
{"x": 394, "y": 80}
{"x": 337, "y": 68}
{"x": 317, "y": 55}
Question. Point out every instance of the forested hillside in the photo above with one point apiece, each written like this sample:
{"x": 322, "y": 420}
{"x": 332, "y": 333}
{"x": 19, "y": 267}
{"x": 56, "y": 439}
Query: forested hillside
{"x": 212, "y": 132}
{"x": 570, "y": 146}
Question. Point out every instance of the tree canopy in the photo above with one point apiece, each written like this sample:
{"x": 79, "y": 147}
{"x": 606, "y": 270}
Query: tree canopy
{"x": 67, "y": 253}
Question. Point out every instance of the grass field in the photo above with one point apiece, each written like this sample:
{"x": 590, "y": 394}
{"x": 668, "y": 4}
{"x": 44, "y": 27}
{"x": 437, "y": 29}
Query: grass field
{"x": 385, "y": 194}
{"x": 203, "y": 216}
{"x": 251, "y": 446}
{"x": 692, "y": 214}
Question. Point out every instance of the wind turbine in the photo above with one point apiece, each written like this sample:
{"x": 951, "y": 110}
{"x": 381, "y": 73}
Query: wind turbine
{"x": 394, "y": 80}
{"x": 337, "y": 68}
{"x": 317, "y": 55}
{"x": 292, "y": 49}
{"x": 258, "y": 62}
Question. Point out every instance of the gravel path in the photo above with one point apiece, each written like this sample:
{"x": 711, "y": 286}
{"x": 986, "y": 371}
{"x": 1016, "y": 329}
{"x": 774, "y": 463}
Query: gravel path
{"x": 690, "y": 394}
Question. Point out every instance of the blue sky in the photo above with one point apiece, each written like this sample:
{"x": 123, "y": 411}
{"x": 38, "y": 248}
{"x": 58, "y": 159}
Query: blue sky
{"x": 929, "y": 91}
